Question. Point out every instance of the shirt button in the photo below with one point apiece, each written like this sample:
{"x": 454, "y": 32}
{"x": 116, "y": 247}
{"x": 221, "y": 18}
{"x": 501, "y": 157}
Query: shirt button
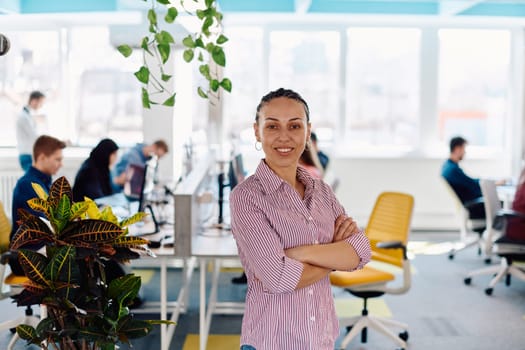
{"x": 312, "y": 318}
{"x": 316, "y": 242}
{"x": 310, "y": 218}
{"x": 311, "y": 292}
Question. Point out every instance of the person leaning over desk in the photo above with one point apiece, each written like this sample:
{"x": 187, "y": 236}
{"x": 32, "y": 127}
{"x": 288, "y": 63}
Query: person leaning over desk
{"x": 138, "y": 155}
{"x": 93, "y": 179}
{"x": 291, "y": 232}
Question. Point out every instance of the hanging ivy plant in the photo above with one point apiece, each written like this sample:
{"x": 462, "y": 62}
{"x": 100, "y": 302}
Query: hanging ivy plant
{"x": 204, "y": 45}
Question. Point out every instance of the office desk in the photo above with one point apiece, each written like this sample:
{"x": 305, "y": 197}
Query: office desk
{"x": 213, "y": 247}
{"x": 164, "y": 258}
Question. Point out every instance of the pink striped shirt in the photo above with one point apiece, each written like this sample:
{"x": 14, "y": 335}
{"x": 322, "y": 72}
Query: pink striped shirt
{"x": 267, "y": 217}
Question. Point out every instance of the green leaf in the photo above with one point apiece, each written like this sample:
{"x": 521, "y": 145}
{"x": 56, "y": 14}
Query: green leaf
{"x": 152, "y": 29}
{"x": 133, "y": 219}
{"x": 188, "y": 55}
{"x": 59, "y": 188}
{"x": 165, "y": 77}
{"x": 143, "y": 74}
{"x": 221, "y": 39}
{"x": 201, "y": 57}
{"x": 45, "y": 325}
{"x": 226, "y": 84}
{"x": 199, "y": 43}
{"x": 145, "y": 45}
{"x": 34, "y": 266}
{"x": 204, "y": 69}
{"x": 107, "y": 215}
{"x": 125, "y": 50}
{"x": 164, "y": 38}
{"x": 200, "y": 14}
{"x": 62, "y": 265}
{"x": 206, "y": 25}
{"x": 202, "y": 93}
{"x": 188, "y": 42}
{"x": 170, "y": 101}
{"x": 78, "y": 209}
{"x": 171, "y": 15}
{"x": 135, "y": 328}
{"x": 218, "y": 56}
{"x": 164, "y": 2}
{"x": 164, "y": 50}
{"x": 28, "y": 333}
{"x": 92, "y": 232}
{"x": 39, "y": 190}
{"x": 214, "y": 85}
{"x": 62, "y": 214}
{"x": 39, "y": 205}
{"x": 208, "y": 3}
{"x": 152, "y": 17}
{"x": 32, "y": 231}
{"x": 124, "y": 289}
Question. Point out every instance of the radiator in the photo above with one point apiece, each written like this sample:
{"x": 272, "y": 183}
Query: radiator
{"x": 7, "y": 185}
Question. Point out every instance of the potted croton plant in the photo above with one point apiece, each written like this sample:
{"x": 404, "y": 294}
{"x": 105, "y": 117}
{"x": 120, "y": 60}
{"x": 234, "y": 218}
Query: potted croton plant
{"x": 84, "y": 310}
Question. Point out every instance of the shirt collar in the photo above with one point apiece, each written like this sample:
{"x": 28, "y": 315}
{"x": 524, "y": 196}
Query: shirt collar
{"x": 270, "y": 181}
{"x": 45, "y": 178}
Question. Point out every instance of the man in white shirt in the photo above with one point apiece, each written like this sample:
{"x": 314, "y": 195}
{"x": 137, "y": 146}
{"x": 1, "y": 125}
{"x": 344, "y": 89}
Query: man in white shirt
{"x": 26, "y": 128}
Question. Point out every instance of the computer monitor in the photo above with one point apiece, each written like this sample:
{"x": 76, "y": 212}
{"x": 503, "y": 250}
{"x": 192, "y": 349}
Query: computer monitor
{"x": 141, "y": 182}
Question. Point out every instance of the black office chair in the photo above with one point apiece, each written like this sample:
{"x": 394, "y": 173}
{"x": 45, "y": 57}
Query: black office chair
{"x": 510, "y": 251}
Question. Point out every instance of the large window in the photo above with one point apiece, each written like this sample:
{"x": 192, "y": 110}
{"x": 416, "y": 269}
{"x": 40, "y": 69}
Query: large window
{"x": 107, "y": 94}
{"x": 90, "y": 89}
{"x": 244, "y": 52}
{"x": 308, "y": 62}
{"x": 33, "y": 63}
{"x": 473, "y": 85}
{"x": 382, "y": 87}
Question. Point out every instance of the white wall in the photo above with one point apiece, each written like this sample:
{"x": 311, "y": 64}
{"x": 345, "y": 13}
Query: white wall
{"x": 363, "y": 179}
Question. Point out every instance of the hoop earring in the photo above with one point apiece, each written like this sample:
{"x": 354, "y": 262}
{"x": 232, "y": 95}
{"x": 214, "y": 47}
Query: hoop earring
{"x": 258, "y": 148}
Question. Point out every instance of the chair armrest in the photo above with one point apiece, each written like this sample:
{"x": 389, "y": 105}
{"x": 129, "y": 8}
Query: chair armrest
{"x": 510, "y": 213}
{"x": 393, "y": 245}
{"x": 473, "y": 202}
{"x": 505, "y": 214}
{"x": 4, "y": 258}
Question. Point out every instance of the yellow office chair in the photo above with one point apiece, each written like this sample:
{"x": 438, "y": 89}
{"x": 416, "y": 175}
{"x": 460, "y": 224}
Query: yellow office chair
{"x": 11, "y": 284}
{"x": 388, "y": 229}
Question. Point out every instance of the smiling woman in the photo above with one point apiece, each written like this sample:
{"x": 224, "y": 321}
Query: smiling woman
{"x": 291, "y": 232}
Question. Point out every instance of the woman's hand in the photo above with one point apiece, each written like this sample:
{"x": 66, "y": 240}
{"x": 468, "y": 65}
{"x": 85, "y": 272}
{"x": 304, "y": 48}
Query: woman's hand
{"x": 344, "y": 227}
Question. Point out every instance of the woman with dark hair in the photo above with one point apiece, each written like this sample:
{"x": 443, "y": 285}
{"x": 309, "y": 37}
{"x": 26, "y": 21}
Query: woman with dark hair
{"x": 291, "y": 232}
{"x": 93, "y": 179}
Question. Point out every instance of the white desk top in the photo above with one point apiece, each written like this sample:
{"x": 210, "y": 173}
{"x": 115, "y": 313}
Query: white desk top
{"x": 217, "y": 243}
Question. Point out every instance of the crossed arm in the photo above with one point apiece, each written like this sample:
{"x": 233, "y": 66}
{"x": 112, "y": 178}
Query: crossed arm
{"x": 320, "y": 259}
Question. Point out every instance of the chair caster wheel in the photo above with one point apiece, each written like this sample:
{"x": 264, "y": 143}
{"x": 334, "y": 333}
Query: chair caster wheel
{"x": 488, "y": 291}
{"x": 488, "y": 261}
{"x": 404, "y": 335}
{"x": 467, "y": 280}
{"x": 451, "y": 256}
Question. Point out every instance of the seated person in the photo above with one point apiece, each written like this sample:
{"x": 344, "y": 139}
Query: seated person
{"x": 93, "y": 179}
{"x": 466, "y": 188}
{"x": 516, "y": 226}
{"x": 137, "y": 155}
{"x": 323, "y": 157}
{"x": 47, "y": 160}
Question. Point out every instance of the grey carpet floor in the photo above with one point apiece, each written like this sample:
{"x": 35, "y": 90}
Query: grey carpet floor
{"x": 441, "y": 311}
